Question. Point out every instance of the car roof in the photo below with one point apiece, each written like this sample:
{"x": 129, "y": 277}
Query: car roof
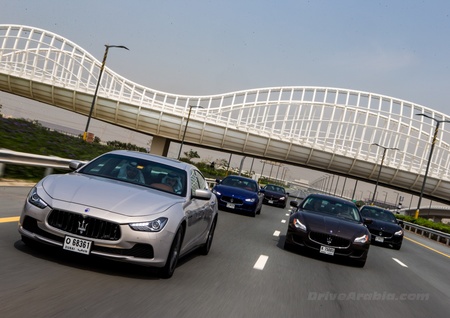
{"x": 374, "y": 207}
{"x": 240, "y": 177}
{"x": 330, "y": 197}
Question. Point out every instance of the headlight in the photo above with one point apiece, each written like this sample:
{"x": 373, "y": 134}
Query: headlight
{"x": 398, "y": 233}
{"x": 282, "y": 198}
{"x": 216, "y": 192}
{"x": 250, "y": 200}
{"x": 35, "y": 199}
{"x": 151, "y": 226}
{"x": 362, "y": 239}
{"x": 299, "y": 225}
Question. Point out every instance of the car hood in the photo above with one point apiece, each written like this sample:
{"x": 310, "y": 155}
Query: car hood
{"x": 105, "y": 194}
{"x": 227, "y": 190}
{"x": 322, "y": 223}
{"x": 383, "y": 226}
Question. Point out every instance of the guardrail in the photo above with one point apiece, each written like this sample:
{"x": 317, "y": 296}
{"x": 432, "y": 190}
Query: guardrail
{"x": 439, "y": 236}
{"x": 27, "y": 159}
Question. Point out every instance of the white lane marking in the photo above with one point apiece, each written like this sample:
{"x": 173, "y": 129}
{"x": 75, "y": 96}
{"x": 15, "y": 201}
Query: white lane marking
{"x": 402, "y": 264}
{"x": 283, "y": 221}
{"x": 287, "y": 214}
{"x": 276, "y": 233}
{"x": 261, "y": 262}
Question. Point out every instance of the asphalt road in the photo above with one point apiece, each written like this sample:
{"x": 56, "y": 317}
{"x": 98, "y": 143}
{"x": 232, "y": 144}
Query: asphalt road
{"x": 247, "y": 274}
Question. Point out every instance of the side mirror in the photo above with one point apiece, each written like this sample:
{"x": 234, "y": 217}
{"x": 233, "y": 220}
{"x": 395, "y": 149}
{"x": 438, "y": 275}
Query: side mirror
{"x": 74, "y": 165}
{"x": 367, "y": 221}
{"x": 294, "y": 204}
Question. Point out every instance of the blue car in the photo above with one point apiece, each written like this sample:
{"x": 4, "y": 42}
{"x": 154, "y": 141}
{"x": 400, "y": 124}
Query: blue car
{"x": 239, "y": 194}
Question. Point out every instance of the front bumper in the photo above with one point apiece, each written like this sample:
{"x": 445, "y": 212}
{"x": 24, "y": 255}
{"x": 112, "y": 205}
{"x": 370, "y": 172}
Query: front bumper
{"x": 350, "y": 250}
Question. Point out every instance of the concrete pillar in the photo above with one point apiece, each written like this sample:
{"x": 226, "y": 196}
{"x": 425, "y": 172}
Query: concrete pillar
{"x": 160, "y": 146}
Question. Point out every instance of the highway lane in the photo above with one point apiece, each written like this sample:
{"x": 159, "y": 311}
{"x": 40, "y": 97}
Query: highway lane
{"x": 49, "y": 283}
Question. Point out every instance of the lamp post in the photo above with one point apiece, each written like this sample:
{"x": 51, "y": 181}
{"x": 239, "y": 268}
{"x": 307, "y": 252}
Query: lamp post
{"x": 438, "y": 122}
{"x": 381, "y": 167}
{"x": 185, "y": 128}
{"x": 98, "y": 84}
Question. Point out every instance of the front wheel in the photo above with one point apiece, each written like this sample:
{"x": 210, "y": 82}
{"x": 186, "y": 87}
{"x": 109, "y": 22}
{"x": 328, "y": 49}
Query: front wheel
{"x": 174, "y": 254}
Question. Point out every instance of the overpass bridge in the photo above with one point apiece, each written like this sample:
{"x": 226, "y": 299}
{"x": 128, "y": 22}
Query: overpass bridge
{"x": 322, "y": 128}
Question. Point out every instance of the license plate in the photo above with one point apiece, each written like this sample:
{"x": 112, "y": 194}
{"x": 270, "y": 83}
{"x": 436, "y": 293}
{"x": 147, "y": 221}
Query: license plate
{"x": 77, "y": 245}
{"x": 230, "y": 205}
{"x": 379, "y": 239}
{"x": 270, "y": 201}
{"x": 327, "y": 250}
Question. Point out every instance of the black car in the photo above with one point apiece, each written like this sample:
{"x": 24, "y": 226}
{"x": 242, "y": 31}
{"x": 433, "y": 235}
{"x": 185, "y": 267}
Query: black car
{"x": 275, "y": 195}
{"x": 329, "y": 225}
{"x": 385, "y": 228}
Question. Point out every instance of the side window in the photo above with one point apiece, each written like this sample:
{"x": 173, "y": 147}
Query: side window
{"x": 201, "y": 181}
{"x": 197, "y": 181}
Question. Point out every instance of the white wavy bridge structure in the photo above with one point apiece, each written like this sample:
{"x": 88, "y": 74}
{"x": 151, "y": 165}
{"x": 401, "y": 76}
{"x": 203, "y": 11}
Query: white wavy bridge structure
{"x": 328, "y": 129}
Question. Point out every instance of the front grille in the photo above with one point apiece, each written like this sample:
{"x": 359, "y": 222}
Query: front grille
{"x": 231, "y": 199}
{"x": 381, "y": 233}
{"x": 84, "y": 225}
{"x": 323, "y": 238}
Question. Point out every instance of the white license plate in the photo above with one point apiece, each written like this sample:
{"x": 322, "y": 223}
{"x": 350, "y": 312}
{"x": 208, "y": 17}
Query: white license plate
{"x": 230, "y": 205}
{"x": 77, "y": 245}
{"x": 270, "y": 201}
{"x": 379, "y": 239}
{"x": 327, "y": 250}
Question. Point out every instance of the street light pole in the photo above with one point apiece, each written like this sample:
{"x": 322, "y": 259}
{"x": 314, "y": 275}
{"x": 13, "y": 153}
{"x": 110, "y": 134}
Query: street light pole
{"x": 438, "y": 122}
{"x": 185, "y": 128}
{"x": 98, "y": 84}
{"x": 381, "y": 167}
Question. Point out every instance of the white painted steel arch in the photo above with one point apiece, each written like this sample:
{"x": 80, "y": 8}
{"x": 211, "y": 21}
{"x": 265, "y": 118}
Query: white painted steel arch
{"x": 323, "y": 128}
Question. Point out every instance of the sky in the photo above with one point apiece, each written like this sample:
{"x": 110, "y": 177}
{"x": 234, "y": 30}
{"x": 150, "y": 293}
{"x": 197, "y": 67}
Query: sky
{"x": 395, "y": 48}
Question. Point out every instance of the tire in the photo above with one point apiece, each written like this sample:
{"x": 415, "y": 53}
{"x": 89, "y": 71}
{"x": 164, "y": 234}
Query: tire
{"x": 174, "y": 254}
{"x": 29, "y": 242}
{"x": 360, "y": 263}
{"x": 204, "y": 250}
{"x": 397, "y": 247}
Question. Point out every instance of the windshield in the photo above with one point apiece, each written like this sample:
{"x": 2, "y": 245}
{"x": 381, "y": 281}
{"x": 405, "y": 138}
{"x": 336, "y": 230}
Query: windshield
{"x": 378, "y": 214}
{"x": 331, "y": 207}
{"x": 249, "y": 184}
{"x": 138, "y": 171}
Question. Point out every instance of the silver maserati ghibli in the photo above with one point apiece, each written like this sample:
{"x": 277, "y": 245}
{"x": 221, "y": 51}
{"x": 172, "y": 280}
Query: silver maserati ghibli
{"x": 125, "y": 206}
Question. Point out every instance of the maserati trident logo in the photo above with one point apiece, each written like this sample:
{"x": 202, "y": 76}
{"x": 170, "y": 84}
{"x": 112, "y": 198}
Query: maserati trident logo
{"x": 82, "y": 226}
{"x": 329, "y": 240}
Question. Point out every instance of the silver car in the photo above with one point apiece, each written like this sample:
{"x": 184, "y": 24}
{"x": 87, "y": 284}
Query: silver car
{"x": 125, "y": 206}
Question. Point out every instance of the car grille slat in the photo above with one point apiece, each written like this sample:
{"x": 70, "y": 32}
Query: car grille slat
{"x": 83, "y": 225}
{"x": 324, "y": 238}
{"x": 231, "y": 199}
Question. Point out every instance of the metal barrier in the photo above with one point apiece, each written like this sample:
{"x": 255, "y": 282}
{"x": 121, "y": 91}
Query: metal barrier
{"x": 27, "y": 159}
{"x": 435, "y": 235}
